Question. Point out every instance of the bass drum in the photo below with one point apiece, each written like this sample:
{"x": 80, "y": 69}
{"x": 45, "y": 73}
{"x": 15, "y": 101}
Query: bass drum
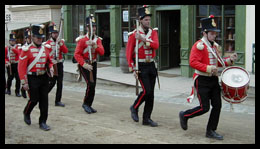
{"x": 235, "y": 83}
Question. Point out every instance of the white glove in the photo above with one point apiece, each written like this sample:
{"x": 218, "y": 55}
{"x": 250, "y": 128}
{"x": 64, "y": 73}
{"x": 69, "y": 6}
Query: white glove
{"x": 88, "y": 67}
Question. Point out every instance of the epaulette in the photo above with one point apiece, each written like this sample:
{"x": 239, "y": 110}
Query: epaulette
{"x": 200, "y": 45}
{"x": 100, "y": 38}
{"x": 156, "y": 28}
{"x": 130, "y": 33}
{"x": 47, "y": 46}
{"x": 25, "y": 48}
{"x": 78, "y": 38}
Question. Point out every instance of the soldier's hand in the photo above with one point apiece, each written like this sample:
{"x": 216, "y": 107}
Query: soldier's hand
{"x": 233, "y": 57}
{"x": 7, "y": 64}
{"x": 25, "y": 86}
{"x": 139, "y": 37}
{"x": 88, "y": 67}
{"x": 90, "y": 43}
{"x": 214, "y": 71}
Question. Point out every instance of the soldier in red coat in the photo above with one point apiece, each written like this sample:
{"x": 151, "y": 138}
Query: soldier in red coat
{"x": 57, "y": 55}
{"x": 205, "y": 59}
{"x": 12, "y": 53}
{"x": 34, "y": 62}
{"x": 147, "y": 44}
{"x": 87, "y": 66}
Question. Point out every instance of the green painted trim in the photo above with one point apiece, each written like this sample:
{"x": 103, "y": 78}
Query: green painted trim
{"x": 240, "y": 32}
{"x": 115, "y": 34}
{"x": 68, "y": 23}
{"x": 187, "y": 37}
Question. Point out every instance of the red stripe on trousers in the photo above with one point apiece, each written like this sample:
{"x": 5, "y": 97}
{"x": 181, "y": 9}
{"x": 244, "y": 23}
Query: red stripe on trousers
{"x": 142, "y": 94}
{"x": 199, "y": 100}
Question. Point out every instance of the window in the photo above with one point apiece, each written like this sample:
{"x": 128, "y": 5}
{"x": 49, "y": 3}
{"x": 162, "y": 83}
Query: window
{"x": 129, "y": 14}
{"x": 225, "y": 21}
{"x": 78, "y": 20}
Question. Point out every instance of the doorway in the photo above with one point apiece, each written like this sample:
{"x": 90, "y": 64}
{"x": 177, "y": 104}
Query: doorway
{"x": 103, "y": 31}
{"x": 169, "y": 39}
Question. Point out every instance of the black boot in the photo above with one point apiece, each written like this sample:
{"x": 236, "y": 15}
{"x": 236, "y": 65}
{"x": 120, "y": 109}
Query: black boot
{"x": 93, "y": 110}
{"x": 8, "y": 91}
{"x": 17, "y": 94}
{"x": 183, "y": 121}
{"x": 214, "y": 135}
{"x": 134, "y": 114}
{"x": 149, "y": 122}
{"x": 23, "y": 93}
{"x": 44, "y": 126}
{"x": 59, "y": 104}
{"x": 27, "y": 119}
{"x": 86, "y": 108}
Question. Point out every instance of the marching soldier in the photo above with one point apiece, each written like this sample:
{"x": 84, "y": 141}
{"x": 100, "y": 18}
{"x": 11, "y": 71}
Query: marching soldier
{"x": 87, "y": 61}
{"x": 148, "y": 43}
{"x": 33, "y": 62}
{"x": 12, "y": 53}
{"x": 57, "y": 55}
{"x": 27, "y": 37}
{"x": 205, "y": 59}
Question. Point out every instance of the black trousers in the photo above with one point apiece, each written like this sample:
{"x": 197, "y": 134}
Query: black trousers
{"x": 14, "y": 69}
{"x": 208, "y": 89}
{"x": 59, "y": 80}
{"x": 90, "y": 90}
{"x": 38, "y": 88}
{"x": 147, "y": 78}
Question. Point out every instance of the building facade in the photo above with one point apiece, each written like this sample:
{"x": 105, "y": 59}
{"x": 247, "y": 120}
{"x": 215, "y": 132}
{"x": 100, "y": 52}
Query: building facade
{"x": 178, "y": 29}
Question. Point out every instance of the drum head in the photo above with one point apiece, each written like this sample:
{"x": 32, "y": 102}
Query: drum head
{"x": 235, "y": 76}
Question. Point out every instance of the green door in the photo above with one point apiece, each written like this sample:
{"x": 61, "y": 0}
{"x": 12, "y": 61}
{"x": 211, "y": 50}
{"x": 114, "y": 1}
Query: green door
{"x": 169, "y": 39}
{"x": 163, "y": 32}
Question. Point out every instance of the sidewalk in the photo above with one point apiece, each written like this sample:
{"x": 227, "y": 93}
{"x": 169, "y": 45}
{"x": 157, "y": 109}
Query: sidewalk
{"x": 173, "y": 87}
{"x": 170, "y": 80}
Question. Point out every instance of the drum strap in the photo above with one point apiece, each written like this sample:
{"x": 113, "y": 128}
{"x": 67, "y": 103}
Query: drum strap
{"x": 214, "y": 54}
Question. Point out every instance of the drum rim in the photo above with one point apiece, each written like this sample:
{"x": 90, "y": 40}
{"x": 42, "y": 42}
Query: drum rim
{"x": 235, "y": 67}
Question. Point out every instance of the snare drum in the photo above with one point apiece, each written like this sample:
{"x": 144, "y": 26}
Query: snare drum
{"x": 235, "y": 83}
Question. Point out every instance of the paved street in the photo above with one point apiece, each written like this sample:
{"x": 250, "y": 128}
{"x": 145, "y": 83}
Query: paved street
{"x": 113, "y": 124}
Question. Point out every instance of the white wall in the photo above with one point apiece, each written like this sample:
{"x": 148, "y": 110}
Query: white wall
{"x": 250, "y": 35}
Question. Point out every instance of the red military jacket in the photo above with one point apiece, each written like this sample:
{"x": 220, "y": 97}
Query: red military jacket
{"x": 13, "y": 53}
{"x": 145, "y": 51}
{"x": 201, "y": 58}
{"x": 62, "y": 48}
{"x": 28, "y": 54}
{"x": 81, "y": 53}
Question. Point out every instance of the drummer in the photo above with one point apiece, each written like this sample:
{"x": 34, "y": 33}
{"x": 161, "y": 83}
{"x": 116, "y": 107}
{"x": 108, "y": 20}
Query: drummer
{"x": 203, "y": 59}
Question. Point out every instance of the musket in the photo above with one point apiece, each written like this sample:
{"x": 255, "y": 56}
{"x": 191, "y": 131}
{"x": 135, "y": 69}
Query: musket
{"x": 136, "y": 61}
{"x": 56, "y": 46}
{"x": 89, "y": 48}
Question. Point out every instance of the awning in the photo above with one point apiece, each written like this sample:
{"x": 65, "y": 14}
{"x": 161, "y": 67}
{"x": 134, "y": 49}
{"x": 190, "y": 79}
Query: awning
{"x": 21, "y": 25}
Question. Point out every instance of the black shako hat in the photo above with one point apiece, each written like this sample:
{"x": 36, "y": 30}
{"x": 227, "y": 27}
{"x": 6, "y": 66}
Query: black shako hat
{"x": 91, "y": 16}
{"x": 208, "y": 24}
{"x": 53, "y": 28}
{"x": 27, "y": 33}
{"x": 37, "y": 30}
{"x": 143, "y": 11}
{"x": 12, "y": 37}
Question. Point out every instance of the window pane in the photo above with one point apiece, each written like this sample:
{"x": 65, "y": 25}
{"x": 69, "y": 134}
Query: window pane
{"x": 215, "y": 10}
